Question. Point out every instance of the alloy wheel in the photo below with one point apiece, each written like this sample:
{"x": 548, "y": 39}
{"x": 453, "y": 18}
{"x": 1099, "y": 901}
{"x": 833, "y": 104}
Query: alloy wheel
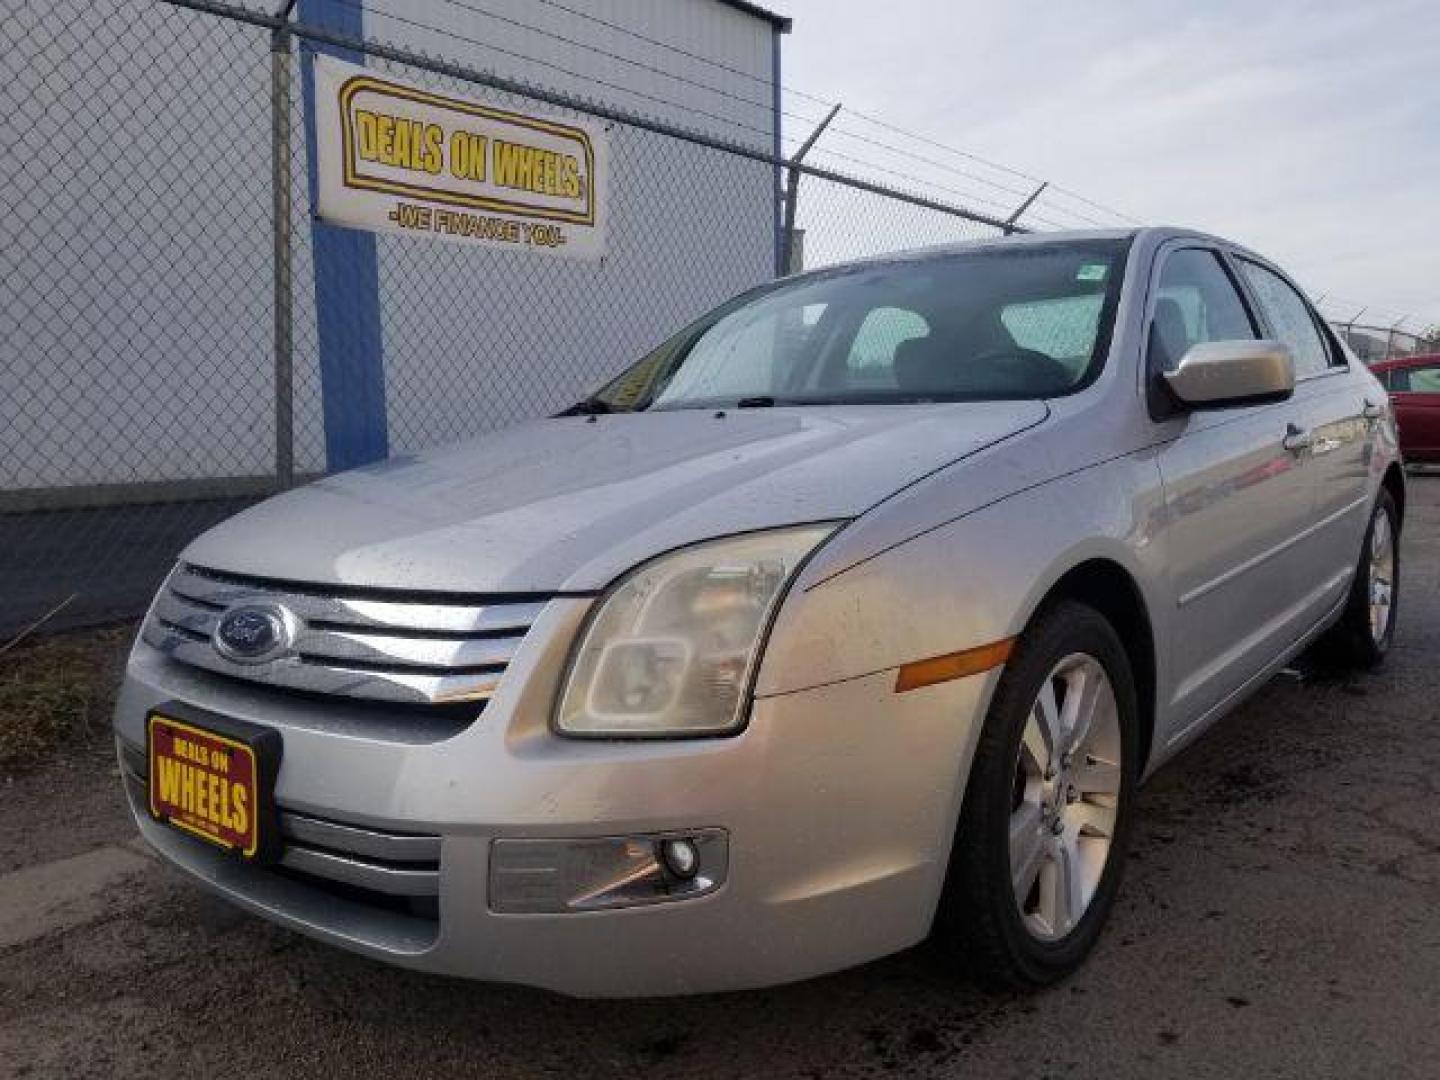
{"x": 1066, "y": 797}
{"x": 1382, "y": 576}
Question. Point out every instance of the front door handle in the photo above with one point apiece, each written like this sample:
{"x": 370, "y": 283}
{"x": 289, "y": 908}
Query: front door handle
{"x": 1373, "y": 411}
{"x": 1297, "y": 440}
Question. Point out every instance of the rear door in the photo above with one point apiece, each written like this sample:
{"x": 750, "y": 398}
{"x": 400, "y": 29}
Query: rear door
{"x": 1237, "y": 499}
{"x": 1337, "y": 407}
{"x": 1416, "y": 394}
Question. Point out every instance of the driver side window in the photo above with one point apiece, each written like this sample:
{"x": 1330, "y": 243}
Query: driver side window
{"x": 1197, "y": 302}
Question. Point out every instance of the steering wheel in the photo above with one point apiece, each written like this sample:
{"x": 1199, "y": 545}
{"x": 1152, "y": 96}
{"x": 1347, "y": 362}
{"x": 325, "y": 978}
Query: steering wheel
{"x": 1015, "y": 367}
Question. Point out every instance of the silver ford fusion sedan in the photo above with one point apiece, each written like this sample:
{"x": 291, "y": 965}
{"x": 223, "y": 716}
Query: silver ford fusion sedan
{"x": 854, "y": 613}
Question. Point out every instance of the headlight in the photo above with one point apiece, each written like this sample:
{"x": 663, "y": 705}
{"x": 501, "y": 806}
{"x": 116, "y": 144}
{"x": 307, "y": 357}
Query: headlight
{"x": 671, "y": 648}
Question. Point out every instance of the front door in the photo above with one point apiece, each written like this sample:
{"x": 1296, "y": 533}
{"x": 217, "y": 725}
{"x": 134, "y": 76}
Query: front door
{"x": 1237, "y": 500}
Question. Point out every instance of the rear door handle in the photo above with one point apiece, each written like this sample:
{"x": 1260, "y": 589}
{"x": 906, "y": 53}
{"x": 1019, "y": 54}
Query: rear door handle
{"x": 1373, "y": 411}
{"x": 1297, "y": 440}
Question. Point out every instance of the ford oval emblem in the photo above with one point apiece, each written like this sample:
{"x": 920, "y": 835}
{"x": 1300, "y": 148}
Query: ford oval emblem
{"x": 253, "y": 633}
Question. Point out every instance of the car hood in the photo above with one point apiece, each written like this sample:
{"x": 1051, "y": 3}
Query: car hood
{"x": 569, "y": 504}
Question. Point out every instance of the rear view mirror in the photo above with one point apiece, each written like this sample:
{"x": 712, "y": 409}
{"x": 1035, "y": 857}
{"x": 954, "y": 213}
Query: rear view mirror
{"x": 1226, "y": 374}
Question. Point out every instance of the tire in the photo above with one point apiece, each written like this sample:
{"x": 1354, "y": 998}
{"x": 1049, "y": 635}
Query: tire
{"x": 1358, "y": 640}
{"x": 1028, "y": 941}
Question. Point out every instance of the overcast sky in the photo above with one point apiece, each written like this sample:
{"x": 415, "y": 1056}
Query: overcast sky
{"x": 1308, "y": 131}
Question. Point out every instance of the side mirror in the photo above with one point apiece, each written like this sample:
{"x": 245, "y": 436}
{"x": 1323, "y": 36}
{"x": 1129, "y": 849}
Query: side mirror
{"x": 1227, "y": 374}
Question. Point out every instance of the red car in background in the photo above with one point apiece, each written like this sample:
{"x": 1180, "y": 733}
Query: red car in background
{"x": 1414, "y": 386}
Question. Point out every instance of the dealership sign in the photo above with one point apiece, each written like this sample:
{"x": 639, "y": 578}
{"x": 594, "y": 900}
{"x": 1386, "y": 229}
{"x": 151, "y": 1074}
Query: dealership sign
{"x": 395, "y": 157}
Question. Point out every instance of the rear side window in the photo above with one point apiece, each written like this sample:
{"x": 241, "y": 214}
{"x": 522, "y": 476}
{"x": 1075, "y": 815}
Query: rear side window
{"x": 1290, "y": 317}
{"x": 1197, "y": 302}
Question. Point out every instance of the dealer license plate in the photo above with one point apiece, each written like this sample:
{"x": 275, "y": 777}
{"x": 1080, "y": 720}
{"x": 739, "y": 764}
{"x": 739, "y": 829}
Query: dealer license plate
{"x": 208, "y": 784}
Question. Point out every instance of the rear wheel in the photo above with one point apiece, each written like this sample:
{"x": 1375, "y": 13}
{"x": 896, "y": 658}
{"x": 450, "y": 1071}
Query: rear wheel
{"x": 1363, "y": 635}
{"x": 1038, "y": 856}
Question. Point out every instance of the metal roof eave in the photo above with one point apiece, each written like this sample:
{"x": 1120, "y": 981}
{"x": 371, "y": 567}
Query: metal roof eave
{"x": 781, "y": 23}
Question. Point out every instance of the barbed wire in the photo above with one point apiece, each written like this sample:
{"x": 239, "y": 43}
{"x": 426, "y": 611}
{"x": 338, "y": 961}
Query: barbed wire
{"x": 369, "y": 8}
{"x": 922, "y": 185}
{"x": 840, "y": 130}
{"x": 826, "y": 104}
{"x": 1043, "y": 214}
{"x": 1056, "y": 194}
{"x": 767, "y": 105}
{"x": 1349, "y": 310}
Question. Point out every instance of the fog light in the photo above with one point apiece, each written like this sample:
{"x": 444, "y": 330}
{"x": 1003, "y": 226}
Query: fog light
{"x": 554, "y": 875}
{"x": 680, "y": 858}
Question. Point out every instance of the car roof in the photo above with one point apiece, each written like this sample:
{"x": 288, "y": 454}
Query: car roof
{"x": 1419, "y": 360}
{"x": 1154, "y": 234}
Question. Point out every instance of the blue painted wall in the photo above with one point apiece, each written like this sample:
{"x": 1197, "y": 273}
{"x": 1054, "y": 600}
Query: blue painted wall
{"x": 347, "y": 286}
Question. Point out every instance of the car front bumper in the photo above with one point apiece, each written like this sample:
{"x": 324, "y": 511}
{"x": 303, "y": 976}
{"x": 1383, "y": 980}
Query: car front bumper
{"x": 837, "y": 805}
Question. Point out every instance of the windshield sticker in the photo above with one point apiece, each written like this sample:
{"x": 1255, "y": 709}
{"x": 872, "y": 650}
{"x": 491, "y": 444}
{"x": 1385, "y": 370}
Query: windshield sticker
{"x": 1091, "y": 272}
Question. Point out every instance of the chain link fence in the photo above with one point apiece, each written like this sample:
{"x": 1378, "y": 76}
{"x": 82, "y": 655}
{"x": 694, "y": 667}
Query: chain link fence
{"x": 135, "y": 350}
{"x": 1372, "y": 343}
{"x": 169, "y": 347}
{"x": 181, "y": 336}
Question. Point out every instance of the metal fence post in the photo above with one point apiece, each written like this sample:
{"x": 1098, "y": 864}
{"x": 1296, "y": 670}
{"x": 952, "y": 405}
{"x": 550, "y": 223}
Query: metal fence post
{"x": 1013, "y": 221}
{"x": 787, "y": 236}
{"x": 792, "y": 193}
{"x": 284, "y": 295}
{"x": 1390, "y": 335}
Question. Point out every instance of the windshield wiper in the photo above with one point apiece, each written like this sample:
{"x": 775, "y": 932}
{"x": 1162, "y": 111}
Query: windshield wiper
{"x": 761, "y": 401}
{"x": 588, "y": 407}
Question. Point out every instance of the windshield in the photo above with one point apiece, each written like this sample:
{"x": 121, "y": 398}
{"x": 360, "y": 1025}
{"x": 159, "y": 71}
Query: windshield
{"x": 1023, "y": 321}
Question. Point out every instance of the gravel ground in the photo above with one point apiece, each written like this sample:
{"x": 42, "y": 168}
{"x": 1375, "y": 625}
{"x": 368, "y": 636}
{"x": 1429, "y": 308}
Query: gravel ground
{"x": 56, "y": 694}
{"x": 1281, "y": 917}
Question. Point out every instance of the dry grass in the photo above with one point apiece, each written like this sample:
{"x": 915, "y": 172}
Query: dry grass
{"x": 56, "y": 692}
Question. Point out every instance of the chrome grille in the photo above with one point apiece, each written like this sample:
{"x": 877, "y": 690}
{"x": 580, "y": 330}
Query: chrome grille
{"x": 360, "y": 644}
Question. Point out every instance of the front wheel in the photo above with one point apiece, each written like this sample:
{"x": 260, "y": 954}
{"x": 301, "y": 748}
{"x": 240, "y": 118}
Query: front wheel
{"x": 1038, "y": 855}
{"x": 1366, "y": 628}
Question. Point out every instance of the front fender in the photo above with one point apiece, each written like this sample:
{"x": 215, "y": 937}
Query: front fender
{"x": 971, "y": 581}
